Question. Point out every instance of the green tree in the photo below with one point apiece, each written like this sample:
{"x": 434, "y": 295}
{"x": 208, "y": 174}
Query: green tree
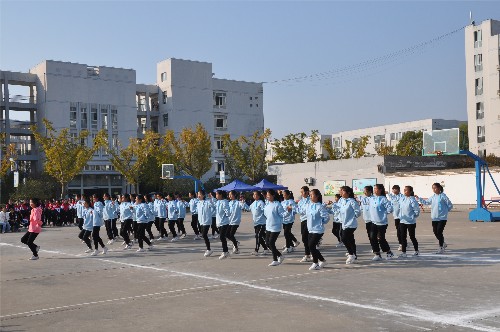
{"x": 347, "y": 151}
{"x": 385, "y": 150}
{"x": 8, "y": 152}
{"x": 331, "y": 153}
{"x": 464, "y": 136}
{"x": 246, "y": 156}
{"x": 66, "y": 156}
{"x": 410, "y": 144}
{"x": 130, "y": 161}
{"x": 359, "y": 147}
{"x": 190, "y": 152}
{"x": 293, "y": 148}
{"x": 43, "y": 187}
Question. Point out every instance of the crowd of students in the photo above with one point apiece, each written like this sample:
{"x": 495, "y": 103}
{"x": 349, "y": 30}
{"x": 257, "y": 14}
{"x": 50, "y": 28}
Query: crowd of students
{"x": 271, "y": 212}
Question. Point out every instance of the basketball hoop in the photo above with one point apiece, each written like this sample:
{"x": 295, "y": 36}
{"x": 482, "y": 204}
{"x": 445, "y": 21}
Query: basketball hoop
{"x": 167, "y": 171}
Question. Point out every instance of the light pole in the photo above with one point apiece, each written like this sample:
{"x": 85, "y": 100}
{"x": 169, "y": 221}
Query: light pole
{"x": 222, "y": 175}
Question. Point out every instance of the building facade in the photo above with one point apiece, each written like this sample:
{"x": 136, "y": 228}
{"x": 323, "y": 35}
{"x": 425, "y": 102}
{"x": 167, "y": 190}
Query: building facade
{"x": 482, "y": 60}
{"x": 82, "y": 97}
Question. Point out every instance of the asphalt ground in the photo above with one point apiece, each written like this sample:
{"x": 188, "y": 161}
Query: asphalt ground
{"x": 175, "y": 288}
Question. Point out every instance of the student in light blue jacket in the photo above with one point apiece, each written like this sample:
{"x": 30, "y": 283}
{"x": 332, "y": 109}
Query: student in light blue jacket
{"x": 440, "y": 206}
{"x": 148, "y": 201}
{"x": 215, "y": 230}
{"x": 87, "y": 225}
{"x": 222, "y": 220}
{"x": 349, "y": 211}
{"x": 141, "y": 211}
{"x": 395, "y": 199}
{"x": 107, "y": 214}
{"x": 205, "y": 210}
{"x": 181, "y": 205}
{"x": 259, "y": 222}
{"x": 173, "y": 215}
{"x": 160, "y": 206}
{"x": 380, "y": 207}
{"x": 98, "y": 221}
{"x": 126, "y": 220}
{"x": 301, "y": 209}
{"x": 290, "y": 207}
{"x": 274, "y": 213}
{"x": 364, "y": 200}
{"x": 235, "y": 207}
{"x": 115, "y": 203}
{"x": 317, "y": 217}
{"x": 193, "y": 202}
{"x": 409, "y": 212}
{"x": 337, "y": 223}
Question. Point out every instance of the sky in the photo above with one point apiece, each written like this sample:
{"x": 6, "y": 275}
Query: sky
{"x": 327, "y": 65}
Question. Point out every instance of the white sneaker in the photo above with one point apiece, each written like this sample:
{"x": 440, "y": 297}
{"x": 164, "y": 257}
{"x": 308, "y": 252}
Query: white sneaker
{"x": 322, "y": 264}
{"x": 124, "y": 243}
{"x": 94, "y": 253}
{"x": 265, "y": 253}
{"x": 400, "y": 248}
{"x": 140, "y": 250}
{"x": 285, "y": 251}
{"x": 403, "y": 255}
{"x": 346, "y": 254}
{"x": 224, "y": 255}
{"x": 236, "y": 250}
{"x": 296, "y": 244}
{"x": 111, "y": 241}
{"x": 305, "y": 259}
{"x": 445, "y": 245}
{"x": 128, "y": 247}
{"x": 281, "y": 259}
{"x": 159, "y": 238}
{"x": 88, "y": 251}
{"x": 284, "y": 247}
{"x": 291, "y": 249}
{"x": 254, "y": 253}
{"x": 197, "y": 237}
{"x": 183, "y": 235}
{"x": 440, "y": 251}
{"x": 175, "y": 239}
{"x": 216, "y": 236}
{"x": 151, "y": 247}
{"x": 274, "y": 263}
{"x": 390, "y": 256}
{"x": 314, "y": 266}
{"x": 377, "y": 258}
{"x": 208, "y": 253}
{"x": 350, "y": 259}
{"x": 416, "y": 253}
{"x": 33, "y": 258}
{"x": 104, "y": 250}
{"x": 339, "y": 245}
{"x": 37, "y": 249}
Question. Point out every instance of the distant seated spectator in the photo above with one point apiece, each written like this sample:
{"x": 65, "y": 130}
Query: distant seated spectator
{"x": 14, "y": 220}
{"x": 4, "y": 220}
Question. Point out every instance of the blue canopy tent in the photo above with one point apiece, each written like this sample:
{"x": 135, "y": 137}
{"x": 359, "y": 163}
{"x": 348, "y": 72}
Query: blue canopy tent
{"x": 264, "y": 184}
{"x": 237, "y": 185}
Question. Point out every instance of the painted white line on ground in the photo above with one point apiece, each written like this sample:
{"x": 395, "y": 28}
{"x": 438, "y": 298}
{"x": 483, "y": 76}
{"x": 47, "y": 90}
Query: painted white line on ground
{"x": 457, "y": 319}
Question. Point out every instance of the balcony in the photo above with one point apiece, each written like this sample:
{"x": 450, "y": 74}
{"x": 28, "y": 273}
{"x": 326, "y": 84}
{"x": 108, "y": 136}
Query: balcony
{"x": 478, "y": 68}
{"x": 479, "y": 115}
{"x": 479, "y": 91}
{"x": 478, "y": 43}
{"x": 481, "y": 139}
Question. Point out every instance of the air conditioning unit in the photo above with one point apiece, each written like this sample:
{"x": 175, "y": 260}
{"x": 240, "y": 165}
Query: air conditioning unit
{"x": 498, "y": 93}
{"x": 309, "y": 181}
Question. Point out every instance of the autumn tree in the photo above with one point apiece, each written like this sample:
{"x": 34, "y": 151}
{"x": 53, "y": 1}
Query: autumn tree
{"x": 7, "y": 153}
{"x": 359, "y": 146}
{"x": 385, "y": 150}
{"x": 410, "y": 144}
{"x": 130, "y": 161}
{"x": 332, "y": 154}
{"x": 464, "y": 136}
{"x": 190, "y": 152}
{"x": 66, "y": 156}
{"x": 296, "y": 148}
{"x": 246, "y": 156}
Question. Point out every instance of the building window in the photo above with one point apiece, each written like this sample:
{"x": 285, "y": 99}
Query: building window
{"x": 336, "y": 143}
{"x": 251, "y": 105}
{"x": 72, "y": 117}
{"x": 396, "y": 136}
{"x": 83, "y": 118}
{"x": 378, "y": 140}
{"x": 220, "y": 122}
{"x": 256, "y": 105}
{"x": 164, "y": 96}
{"x": 114, "y": 140}
{"x": 478, "y": 38}
{"x": 479, "y": 111}
{"x": 220, "y": 99}
{"x": 219, "y": 144}
{"x": 479, "y": 86}
{"x": 141, "y": 123}
{"x": 93, "y": 117}
{"x": 163, "y": 76}
{"x": 220, "y": 167}
{"x": 250, "y": 98}
{"x": 165, "y": 120}
{"x": 114, "y": 119}
{"x": 104, "y": 118}
{"x": 478, "y": 62}
{"x": 480, "y": 134}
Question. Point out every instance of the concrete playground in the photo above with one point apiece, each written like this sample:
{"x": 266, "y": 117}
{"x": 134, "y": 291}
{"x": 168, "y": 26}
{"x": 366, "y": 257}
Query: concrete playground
{"x": 175, "y": 288}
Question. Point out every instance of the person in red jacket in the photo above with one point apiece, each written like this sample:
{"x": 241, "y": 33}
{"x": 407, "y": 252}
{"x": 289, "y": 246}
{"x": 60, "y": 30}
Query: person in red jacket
{"x": 34, "y": 228}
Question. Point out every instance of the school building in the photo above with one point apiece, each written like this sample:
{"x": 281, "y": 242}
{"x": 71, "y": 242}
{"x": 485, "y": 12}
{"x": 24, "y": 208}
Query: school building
{"x": 82, "y": 97}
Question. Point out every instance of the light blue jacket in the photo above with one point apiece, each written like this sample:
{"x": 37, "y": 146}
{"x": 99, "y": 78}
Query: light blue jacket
{"x": 116, "y": 209}
{"x": 161, "y": 208}
{"x": 317, "y": 217}
{"x": 257, "y": 209}
{"x": 172, "y": 210}
{"x": 302, "y": 208}
{"x": 205, "y": 210}
{"x": 213, "y": 201}
{"x": 79, "y": 209}
{"x": 88, "y": 219}
{"x": 125, "y": 211}
{"x": 395, "y": 200}
{"x": 134, "y": 217}
{"x": 274, "y": 213}
{"x": 380, "y": 207}
{"x": 349, "y": 211}
{"x": 222, "y": 212}
{"x": 181, "y": 205}
{"x": 193, "y": 204}
{"x": 365, "y": 207}
{"x": 98, "y": 211}
{"x": 107, "y": 212}
{"x": 289, "y": 217}
{"x": 335, "y": 210}
{"x": 440, "y": 206}
{"x": 141, "y": 213}
{"x": 235, "y": 212}
{"x": 151, "y": 209}
{"x": 410, "y": 210}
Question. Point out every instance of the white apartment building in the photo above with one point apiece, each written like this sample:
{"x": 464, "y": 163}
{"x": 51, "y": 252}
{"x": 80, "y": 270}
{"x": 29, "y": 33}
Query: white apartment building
{"x": 391, "y": 134}
{"x": 78, "y": 96}
{"x": 482, "y": 60}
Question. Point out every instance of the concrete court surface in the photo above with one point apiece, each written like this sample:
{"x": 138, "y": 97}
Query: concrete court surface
{"x": 174, "y": 288}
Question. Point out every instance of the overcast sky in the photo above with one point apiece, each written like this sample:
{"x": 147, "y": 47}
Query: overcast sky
{"x": 331, "y": 65}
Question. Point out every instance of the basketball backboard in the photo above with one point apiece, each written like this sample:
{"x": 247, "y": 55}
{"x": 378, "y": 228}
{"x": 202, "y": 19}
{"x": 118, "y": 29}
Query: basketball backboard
{"x": 167, "y": 171}
{"x": 441, "y": 142}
